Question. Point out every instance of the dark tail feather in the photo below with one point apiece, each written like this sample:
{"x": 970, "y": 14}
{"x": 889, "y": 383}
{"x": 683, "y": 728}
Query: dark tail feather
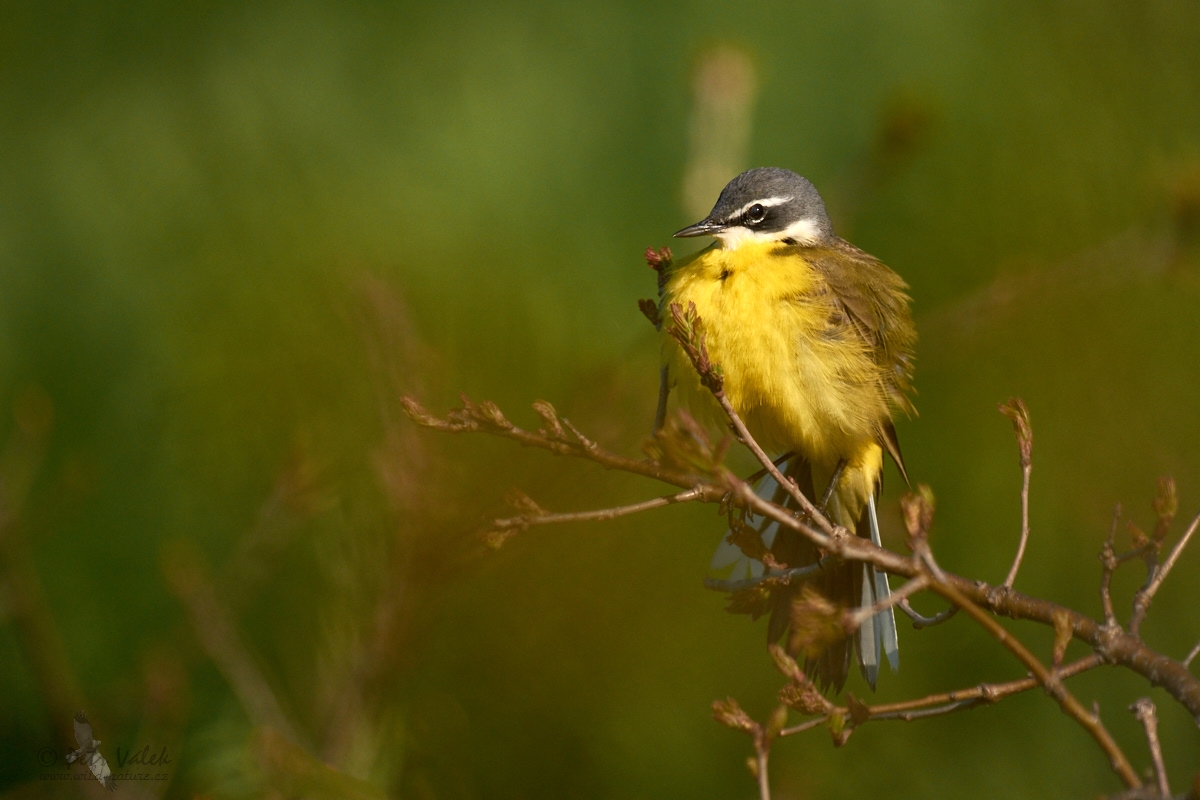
{"x": 836, "y": 582}
{"x": 847, "y": 584}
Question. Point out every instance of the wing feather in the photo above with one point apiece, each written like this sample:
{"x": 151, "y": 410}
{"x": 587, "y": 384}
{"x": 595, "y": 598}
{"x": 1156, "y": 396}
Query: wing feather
{"x": 874, "y": 302}
{"x": 83, "y": 731}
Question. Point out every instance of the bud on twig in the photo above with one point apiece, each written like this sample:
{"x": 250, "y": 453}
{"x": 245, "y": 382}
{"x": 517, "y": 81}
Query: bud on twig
{"x": 688, "y": 329}
{"x": 549, "y": 419}
{"x": 1014, "y": 408}
{"x": 1062, "y": 634}
{"x": 658, "y": 260}
{"x": 519, "y": 501}
{"x": 817, "y": 622}
{"x": 1166, "y": 506}
{"x": 917, "y": 508}
{"x": 730, "y": 714}
{"x": 650, "y": 309}
{"x": 683, "y": 444}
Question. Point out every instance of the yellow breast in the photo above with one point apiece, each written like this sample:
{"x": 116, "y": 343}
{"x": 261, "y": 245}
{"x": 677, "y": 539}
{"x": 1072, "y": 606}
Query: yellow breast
{"x": 794, "y": 373}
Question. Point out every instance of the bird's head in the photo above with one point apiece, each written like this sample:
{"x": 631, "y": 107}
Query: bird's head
{"x": 767, "y": 204}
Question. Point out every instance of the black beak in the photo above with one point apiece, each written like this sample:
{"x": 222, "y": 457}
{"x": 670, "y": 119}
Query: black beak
{"x": 705, "y": 227}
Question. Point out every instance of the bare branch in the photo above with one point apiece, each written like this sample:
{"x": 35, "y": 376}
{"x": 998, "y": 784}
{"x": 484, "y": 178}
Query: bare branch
{"x": 501, "y": 529}
{"x": 743, "y": 434}
{"x": 1147, "y": 714}
{"x": 486, "y": 418}
{"x": 1110, "y": 642}
{"x": 804, "y": 726}
{"x": 947, "y": 702}
{"x": 776, "y": 576}
{"x": 921, "y": 621}
{"x": 1016, "y": 410}
{"x": 1109, "y": 562}
{"x": 761, "y": 756}
{"x": 1166, "y": 504}
{"x": 1054, "y": 687}
{"x": 861, "y": 615}
{"x": 1141, "y": 602}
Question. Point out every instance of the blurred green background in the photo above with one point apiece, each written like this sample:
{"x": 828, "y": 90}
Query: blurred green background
{"x": 231, "y": 236}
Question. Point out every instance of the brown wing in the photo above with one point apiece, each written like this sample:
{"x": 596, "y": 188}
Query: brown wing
{"x": 876, "y": 303}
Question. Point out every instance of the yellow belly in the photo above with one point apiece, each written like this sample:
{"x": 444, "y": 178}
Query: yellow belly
{"x": 799, "y": 382}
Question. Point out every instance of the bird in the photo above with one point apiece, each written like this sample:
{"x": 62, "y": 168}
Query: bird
{"x": 89, "y": 754}
{"x": 814, "y": 338}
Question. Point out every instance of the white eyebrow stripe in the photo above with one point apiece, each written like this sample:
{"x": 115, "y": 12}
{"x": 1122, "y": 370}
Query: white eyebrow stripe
{"x": 767, "y": 203}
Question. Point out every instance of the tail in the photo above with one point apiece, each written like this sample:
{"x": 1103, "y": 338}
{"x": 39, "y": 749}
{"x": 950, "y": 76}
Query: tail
{"x": 848, "y": 584}
{"x": 879, "y": 632}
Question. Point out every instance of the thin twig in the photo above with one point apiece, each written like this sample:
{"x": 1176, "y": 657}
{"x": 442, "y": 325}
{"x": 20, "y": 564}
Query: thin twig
{"x": 915, "y": 585}
{"x": 774, "y": 575}
{"x": 779, "y": 462}
{"x": 1048, "y": 679}
{"x": 1141, "y": 603}
{"x": 789, "y": 485}
{"x": 983, "y": 694}
{"x": 947, "y": 702}
{"x": 485, "y": 417}
{"x": 1015, "y": 410}
{"x": 1166, "y": 505}
{"x": 921, "y": 621}
{"x": 1192, "y": 655}
{"x": 1115, "y": 645}
{"x": 527, "y": 520}
{"x": 1016, "y": 565}
{"x": 688, "y": 330}
{"x": 1147, "y": 714}
{"x": 804, "y": 726}
{"x": 1109, "y": 562}
{"x": 761, "y": 755}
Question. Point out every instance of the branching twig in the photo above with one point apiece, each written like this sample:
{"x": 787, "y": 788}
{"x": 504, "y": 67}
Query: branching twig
{"x": 1048, "y": 679}
{"x": 1166, "y": 504}
{"x": 1016, "y": 411}
{"x": 963, "y": 699}
{"x": 501, "y": 529}
{"x": 777, "y": 576}
{"x": 787, "y": 483}
{"x": 1114, "y": 645}
{"x": 980, "y": 601}
{"x": 1142, "y": 600}
{"x": 1147, "y": 714}
{"x": 485, "y": 417}
{"x": 945, "y": 702}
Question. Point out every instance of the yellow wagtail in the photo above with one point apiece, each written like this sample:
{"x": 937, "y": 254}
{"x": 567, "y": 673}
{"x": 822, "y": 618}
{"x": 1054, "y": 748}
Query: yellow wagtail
{"x": 815, "y": 339}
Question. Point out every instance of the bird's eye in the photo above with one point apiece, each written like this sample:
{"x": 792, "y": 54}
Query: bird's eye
{"x": 755, "y": 214}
